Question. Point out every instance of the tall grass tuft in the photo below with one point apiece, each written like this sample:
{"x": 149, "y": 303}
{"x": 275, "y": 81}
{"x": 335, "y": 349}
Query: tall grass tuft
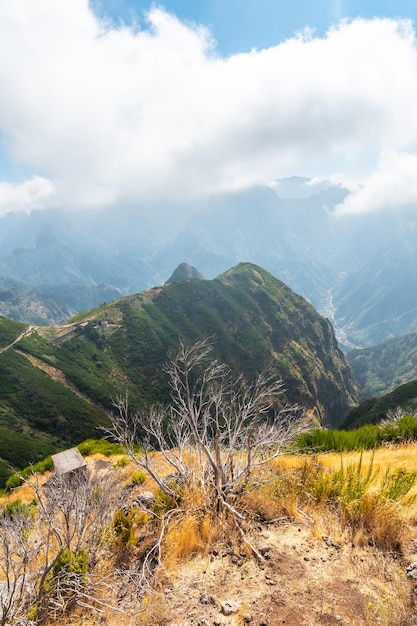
{"x": 185, "y": 537}
{"x": 367, "y": 504}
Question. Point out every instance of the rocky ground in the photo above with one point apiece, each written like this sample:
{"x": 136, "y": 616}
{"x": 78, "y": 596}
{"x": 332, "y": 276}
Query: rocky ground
{"x": 304, "y": 579}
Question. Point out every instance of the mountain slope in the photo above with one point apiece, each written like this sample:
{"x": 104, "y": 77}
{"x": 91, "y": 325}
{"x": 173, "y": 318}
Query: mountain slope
{"x": 373, "y": 410}
{"x": 38, "y": 414}
{"x": 381, "y": 368}
{"x": 50, "y": 304}
{"x": 57, "y": 383}
{"x": 377, "y": 299}
{"x": 254, "y": 321}
{"x": 184, "y": 272}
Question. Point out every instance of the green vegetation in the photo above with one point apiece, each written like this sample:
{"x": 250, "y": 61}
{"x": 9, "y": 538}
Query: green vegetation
{"x": 20, "y": 449}
{"x": 15, "y": 480}
{"x": 138, "y": 478}
{"x": 57, "y": 384}
{"x": 163, "y": 503}
{"x": 38, "y": 415}
{"x": 9, "y": 331}
{"x": 374, "y": 410}
{"x": 123, "y": 528}
{"x": 365, "y": 502}
{"x": 99, "y": 446}
{"x": 380, "y": 369}
{"x": 19, "y": 508}
{"x": 349, "y": 484}
{"x": 68, "y": 574}
{"x": 366, "y": 437}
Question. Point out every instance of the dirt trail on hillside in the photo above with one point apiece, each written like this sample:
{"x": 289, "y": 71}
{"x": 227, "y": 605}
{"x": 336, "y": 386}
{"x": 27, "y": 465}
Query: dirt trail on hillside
{"x": 26, "y": 332}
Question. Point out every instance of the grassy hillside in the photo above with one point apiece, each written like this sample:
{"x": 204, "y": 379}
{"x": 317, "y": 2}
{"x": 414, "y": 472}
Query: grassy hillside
{"x": 379, "y": 369}
{"x": 57, "y": 383}
{"x": 374, "y": 410}
{"x": 9, "y": 330}
{"x": 255, "y": 323}
{"x": 38, "y": 413}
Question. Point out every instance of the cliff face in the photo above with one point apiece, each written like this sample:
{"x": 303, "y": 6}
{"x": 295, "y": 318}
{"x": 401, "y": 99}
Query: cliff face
{"x": 302, "y": 346}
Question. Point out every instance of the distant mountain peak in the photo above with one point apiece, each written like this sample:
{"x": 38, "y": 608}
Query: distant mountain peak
{"x": 299, "y": 187}
{"x": 184, "y": 272}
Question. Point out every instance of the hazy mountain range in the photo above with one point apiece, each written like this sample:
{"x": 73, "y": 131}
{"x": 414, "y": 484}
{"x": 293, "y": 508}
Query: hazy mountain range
{"x": 359, "y": 271}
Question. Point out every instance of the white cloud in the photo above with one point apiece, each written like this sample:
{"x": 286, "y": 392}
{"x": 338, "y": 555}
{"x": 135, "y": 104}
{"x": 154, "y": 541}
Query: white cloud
{"x": 392, "y": 186}
{"x": 112, "y": 115}
{"x": 35, "y": 193}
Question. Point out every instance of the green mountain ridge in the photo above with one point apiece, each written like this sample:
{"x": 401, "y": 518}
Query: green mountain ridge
{"x": 374, "y": 410}
{"x": 58, "y": 383}
{"x": 380, "y": 369}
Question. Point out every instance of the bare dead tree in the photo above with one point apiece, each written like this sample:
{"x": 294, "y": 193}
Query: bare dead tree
{"x": 48, "y": 551}
{"x": 73, "y": 513}
{"x": 18, "y": 551}
{"x": 217, "y": 430}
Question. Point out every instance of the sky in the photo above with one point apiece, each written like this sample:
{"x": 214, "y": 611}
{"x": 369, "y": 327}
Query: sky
{"x": 119, "y": 102}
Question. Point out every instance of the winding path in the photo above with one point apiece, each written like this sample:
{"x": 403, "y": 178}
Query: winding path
{"x": 27, "y": 331}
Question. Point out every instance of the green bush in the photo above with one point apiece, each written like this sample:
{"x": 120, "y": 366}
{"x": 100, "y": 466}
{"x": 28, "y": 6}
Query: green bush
{"x": 122, "y": 462}
{"x": 15, "y": 480}
{"x": 69, "y": 565}
{"x": 396, "y": 486}
{"x": 138, "y": 478}
{"x": 164, "y": 502}
{"x": 19, "y": 509}
{"x": 123, "y": 527}
{"x": 99, "y": 446}
{"x": 404, "y": 429}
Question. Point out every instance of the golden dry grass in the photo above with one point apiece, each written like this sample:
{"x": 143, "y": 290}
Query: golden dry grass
{"x": 316, "y": 545}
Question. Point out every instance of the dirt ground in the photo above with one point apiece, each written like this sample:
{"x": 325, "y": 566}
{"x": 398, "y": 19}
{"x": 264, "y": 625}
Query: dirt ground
{"x": 302, "y": 580}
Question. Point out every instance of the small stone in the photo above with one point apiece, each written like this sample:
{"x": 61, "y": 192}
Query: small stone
{"x": 207, "y": 599}
{"x": 265, "y": 550}
{"x": 228, "y": 607}
{"x": 146, "y": 499}
{"x": 412, "y": 570}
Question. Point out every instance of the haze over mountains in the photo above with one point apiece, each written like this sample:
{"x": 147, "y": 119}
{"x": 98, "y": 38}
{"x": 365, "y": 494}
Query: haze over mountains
{"x": 356, "y": 270}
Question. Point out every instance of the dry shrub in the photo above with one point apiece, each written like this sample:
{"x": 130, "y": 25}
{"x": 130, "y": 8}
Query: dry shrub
{"x": 271, "y": 501}
{"x": 374, "y": 519}
{"x": 368, "y": 505}
{"x": 390, "y": 602}
{"x": 185, "y": 537}
{"x": 194, "y": 496}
